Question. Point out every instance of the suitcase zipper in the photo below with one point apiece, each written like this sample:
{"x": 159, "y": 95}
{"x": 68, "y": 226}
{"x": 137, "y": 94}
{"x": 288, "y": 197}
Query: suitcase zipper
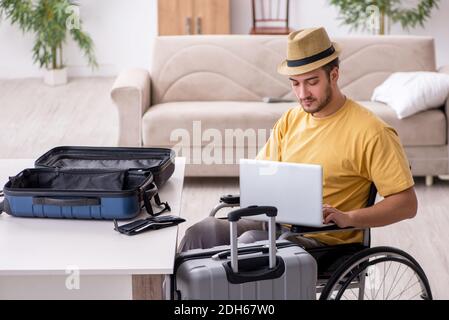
{"x": 155, "y": 169}
{"x": 166, "y": 153}
{"x": 179, "y": 260}
{"x": 52, "y": 192}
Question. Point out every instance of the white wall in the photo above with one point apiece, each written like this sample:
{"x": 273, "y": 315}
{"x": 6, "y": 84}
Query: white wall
{"x": 308, "y": 13}
{"x": 123, "y": 31}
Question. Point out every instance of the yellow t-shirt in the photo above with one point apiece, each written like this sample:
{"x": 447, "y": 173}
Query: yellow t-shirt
{"x": 354, "y": 148}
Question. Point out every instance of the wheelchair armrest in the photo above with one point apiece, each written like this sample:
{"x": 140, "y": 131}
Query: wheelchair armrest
{"x": 226, "y": 201}
{"x": 230, "y": 199}
{"x": 333, "y": 228}
{"x": 301, "y": 230}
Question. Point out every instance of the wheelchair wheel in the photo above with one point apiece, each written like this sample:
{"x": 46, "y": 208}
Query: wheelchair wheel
{"x": 380, "y": 273}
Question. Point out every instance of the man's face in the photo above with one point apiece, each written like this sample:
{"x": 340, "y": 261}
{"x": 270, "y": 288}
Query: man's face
{"x": 313, "y": 89}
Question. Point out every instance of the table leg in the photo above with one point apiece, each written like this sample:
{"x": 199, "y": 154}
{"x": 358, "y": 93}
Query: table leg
{"x": 147, "y": 287}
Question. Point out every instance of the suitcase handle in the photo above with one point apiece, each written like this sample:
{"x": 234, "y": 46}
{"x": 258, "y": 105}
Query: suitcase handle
{"x": 235, "y": 216}
{"x": 243, "y": 251}
{"x": 66, "y": 202}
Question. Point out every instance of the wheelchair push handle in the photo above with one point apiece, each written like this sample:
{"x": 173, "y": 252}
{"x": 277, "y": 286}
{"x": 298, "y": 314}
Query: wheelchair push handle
{"x": 230, "y": 199}
{"x": 2, "y": 204}
{"x": 236, "y": 215}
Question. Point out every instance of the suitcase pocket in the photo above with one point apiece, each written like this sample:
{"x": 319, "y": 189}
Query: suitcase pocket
{"x": 254, "y": 269}
{"x": 70, "y": 180}
{"x": 97, "y": 162}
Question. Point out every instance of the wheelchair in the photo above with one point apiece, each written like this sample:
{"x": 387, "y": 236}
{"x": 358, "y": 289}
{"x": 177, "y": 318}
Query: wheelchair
{"x": 358, "y": 271}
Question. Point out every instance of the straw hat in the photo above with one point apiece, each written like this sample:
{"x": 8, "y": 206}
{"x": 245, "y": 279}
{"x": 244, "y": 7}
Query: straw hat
{"x": 307, "y": 50}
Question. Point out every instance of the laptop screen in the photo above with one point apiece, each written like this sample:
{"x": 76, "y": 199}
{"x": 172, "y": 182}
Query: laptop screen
{"x": 294, "y": 189}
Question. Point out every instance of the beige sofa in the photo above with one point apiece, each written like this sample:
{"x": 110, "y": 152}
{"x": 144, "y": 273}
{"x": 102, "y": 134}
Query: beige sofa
{"x": 202, "y": 90}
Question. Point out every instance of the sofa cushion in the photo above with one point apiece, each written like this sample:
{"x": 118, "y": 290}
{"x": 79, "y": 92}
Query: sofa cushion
{"x": 165, "y": 124}
{"x": 408, "y": 93}
{"x": 243, "y": 67}
{"x": 162, "y": 121}
{"x": 427, "y": 128}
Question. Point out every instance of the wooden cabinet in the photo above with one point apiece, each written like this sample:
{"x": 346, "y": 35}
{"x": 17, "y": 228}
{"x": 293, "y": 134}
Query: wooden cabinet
{"x": 178, "y": 17}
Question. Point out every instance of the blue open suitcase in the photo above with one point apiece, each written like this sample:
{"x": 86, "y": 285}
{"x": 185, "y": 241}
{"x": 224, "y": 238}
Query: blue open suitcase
{"x": 90, "y": 183}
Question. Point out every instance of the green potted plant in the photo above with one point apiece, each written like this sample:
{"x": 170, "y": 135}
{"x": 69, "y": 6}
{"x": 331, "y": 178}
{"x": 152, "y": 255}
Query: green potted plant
{"x": 51, "y": 21}
{"x": 374, "y": 14}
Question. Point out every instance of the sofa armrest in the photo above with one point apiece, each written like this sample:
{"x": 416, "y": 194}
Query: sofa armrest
{"x": 131, "y": 95}
{"x": 444, "y": 69}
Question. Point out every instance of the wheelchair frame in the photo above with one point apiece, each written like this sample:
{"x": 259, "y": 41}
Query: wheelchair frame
{"x": 361, "y": 257}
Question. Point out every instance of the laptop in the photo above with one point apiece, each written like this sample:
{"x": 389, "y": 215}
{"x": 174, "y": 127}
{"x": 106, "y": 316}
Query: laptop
{"x": 295, "y": 189}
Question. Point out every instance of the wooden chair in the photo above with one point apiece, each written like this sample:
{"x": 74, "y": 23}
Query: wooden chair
{"x": 270, "y": 17}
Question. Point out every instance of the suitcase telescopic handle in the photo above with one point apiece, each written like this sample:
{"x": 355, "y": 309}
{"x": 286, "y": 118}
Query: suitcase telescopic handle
{"x": 236, "y": 215}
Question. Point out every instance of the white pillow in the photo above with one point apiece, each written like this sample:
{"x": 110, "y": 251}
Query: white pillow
{"x": 412, "y": 92}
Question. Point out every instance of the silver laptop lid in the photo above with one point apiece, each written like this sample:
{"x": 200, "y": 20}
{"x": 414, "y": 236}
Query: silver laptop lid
{"x": 294, "y": 189}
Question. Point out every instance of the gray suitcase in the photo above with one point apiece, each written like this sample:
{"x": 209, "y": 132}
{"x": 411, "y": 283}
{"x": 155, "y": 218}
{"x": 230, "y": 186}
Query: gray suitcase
{"x": 258, "y": 272}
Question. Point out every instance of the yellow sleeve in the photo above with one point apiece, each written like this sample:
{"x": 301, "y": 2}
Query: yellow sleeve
{"x": 272, "y": 150}
{"x": 387, "y": 164}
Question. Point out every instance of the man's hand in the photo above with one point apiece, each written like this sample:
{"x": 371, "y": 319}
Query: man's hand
{"x": 340, "y": 218}
{"x": 392, "y": 209}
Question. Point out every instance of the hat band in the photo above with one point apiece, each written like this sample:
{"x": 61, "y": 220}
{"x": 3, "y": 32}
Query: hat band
{"x": 301, "y": 62}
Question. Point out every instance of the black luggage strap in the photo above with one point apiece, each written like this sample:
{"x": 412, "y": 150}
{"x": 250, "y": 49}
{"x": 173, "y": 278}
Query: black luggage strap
{"x": 150, "y": 193}
{"x": 147, "y": 192}
{"x": 149, "y": 208}
{"x": 159, "y": 204}
{"x": 152, "y": 223}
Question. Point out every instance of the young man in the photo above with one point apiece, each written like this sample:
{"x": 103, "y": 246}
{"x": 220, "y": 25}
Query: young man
{"x": 354, "y": 147}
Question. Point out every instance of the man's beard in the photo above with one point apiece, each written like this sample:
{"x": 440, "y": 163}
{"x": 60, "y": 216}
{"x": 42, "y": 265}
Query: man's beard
{"x": 321, "y": 104}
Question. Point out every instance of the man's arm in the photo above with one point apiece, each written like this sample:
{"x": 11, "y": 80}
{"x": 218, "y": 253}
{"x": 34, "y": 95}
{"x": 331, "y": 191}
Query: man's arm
{"x": 392, "y": 209}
